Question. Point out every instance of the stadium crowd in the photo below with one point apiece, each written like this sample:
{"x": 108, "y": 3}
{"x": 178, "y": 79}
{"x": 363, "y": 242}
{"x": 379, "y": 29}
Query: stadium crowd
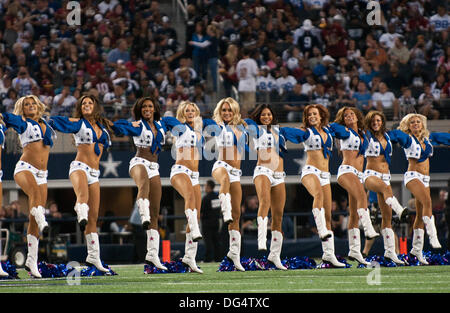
{"x": 287, "y": 52}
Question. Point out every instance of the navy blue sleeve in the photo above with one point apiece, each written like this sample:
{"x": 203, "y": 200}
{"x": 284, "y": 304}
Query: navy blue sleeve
{"x": 440, "y": 139}
{"x": 15, "y": 121}
{"x": 126, "y": 128}
{"x": 295, "y": 135}
{"x": 400, "y": 137}
{"x": 64, "y": 125}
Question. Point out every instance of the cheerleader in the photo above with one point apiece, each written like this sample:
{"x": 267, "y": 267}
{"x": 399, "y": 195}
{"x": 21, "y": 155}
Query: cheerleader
{"x": 231, "y": 142}
{"x": 350, "y": 176}
{"x": 270, "y": 144}
{"x": 377, "y": 176}
{"x": 315, "y": 176}
{"x": 184, "y": 175}
{"x": 36, "y": 137}
{"x": 417, "y": 178}
{"x": 91, "y": 135}
{"x": 2, "y": 145}
{"x": 148, "y": 132}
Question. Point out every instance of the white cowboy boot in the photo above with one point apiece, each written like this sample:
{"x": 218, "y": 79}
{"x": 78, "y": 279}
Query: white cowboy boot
{"x": 354, "y": 241}
{"x": 328, "y": 252}
{"x": 234, "y": 254}
{"x": 32, "y": 256}
{"x": 275, "y": 250}
{"x": 82, "y": 210}
{"x": 393, "y": 203}
{"x": 225, "y": 205}
{"x": 431, "y": 231}
{"x": 190, "y": 252}
{"x": 152, "y": 257}
{"x": 144, "y": 211}
{"x": 191, "y": 216}
{"x": 262, "y": 232}
{"x": 39, "y": 216}
{"x": 319, "y": 218}
{"x": 2, "y": 272}
{"x": 93, "y": 247}
{"x": 417, "y": 243}
{"x": 364, "y": 217}
{"x": 389, "y": 246}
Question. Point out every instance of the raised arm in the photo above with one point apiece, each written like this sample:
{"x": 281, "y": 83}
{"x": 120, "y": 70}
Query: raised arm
{"x": 64, "y": 124}
{"x": 126, "y": 128}
{"x": 294, "y": 135}
{"x": 14, "y": 121}
{"x": 440, "y": 139}
{"x": 339, "y": 131}
{"x": 400, "y": 137}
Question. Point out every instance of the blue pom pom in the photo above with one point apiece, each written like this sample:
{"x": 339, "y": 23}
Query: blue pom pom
{"x": 93, "y": 271}
{"x": 172, "y": 267}
{"x": 10, "y": 269}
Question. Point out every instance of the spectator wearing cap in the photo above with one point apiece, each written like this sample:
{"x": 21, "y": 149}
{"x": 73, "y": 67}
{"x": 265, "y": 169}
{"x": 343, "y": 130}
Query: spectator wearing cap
{"x": 320, "y": 69}
{"x": 334, "y": 36}
{"x": 167, "y": 29}
{"x": 385, "y": 100}
{"x": 306, "y": 37}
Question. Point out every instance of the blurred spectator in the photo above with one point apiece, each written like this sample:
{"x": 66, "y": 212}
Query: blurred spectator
{"x": 63, "y": 103}
{"x": 119, "y": 53}
{"x": 407, "y": 103}
{"x": 23, "y": 82}
{"x": 306, "y": 37}
{"x": 441, "y": 20}
{"x": 427, "y": 102}
{"x": 387, "y": 40}
{"x": 339, "y": 218}
{"x": 385, "y": 100}
{"x": 285, "y": 82}
{"x": 367, "y": 73}
{"x": 114, "y": 101}
{"x": 399, "y": 52}
{"x": 439, "y": 211}
{"x": 395, "y": 80}
{"x": 363, "y": 98}
{"x": 265, "y": 84}
{"x": 334, "y": 36}
{"x": 200, "y": 50}
{"x": 296, "y": 103}
{"x": 10, "y": 100}
{"x": 247, "y": 70}
{"x": 202, "y": 100}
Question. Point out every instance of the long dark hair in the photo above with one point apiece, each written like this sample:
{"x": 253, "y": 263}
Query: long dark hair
{"x": 137, "y": 108}
{"x": 340, "y": 116}
{"x": 256, "y": 114}
{"x": 368, "y": 122}
{"x": 97, "y": 114}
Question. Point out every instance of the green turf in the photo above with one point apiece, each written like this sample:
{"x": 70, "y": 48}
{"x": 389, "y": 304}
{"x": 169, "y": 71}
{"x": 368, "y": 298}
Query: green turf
{"x": 131, "y": 279}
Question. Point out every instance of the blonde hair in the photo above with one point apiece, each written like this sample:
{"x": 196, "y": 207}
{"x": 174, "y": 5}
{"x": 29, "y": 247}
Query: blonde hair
{"x": 181, "y": 113}
{"x": 18, "y": 106}
{"x": 235, "y": 108}
{"x": 404, "y": 125}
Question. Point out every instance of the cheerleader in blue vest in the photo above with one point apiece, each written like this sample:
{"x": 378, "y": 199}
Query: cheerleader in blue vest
{"x": 149, "y": 133}
{"x": 184, "y": 174}
{"x": 90, "y": 131}
{"x": 231, "y": 143}
{"x": 2, "y": 144}
{"x": 350, "y": 121}
{"x": 417, "y": 178}
{"x": 36, "y": 137}
{"x": 315, "y": 176}
{"x": 269, "y": 141}
{"x": 377, "y": 175}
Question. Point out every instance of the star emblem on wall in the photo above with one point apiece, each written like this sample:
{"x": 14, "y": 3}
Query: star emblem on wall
{"x": 110, "y": 166}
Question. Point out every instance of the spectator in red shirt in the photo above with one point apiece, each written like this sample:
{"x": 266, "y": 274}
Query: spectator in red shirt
{"x": 334, "y": 37}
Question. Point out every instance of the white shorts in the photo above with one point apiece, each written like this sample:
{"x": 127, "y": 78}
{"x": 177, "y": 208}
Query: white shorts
{"x": 324, "y": 177}
{"x": 91, "y": 174}
{"x": 386, "y": 178}
{"x": 344, "y": 169}
{"x": 275, "y": 178}
{"x": 181, "y": 169}
{"x": 411, "y": 175}
{"x": 152, "y": 168}
{"x": 233, "y": 173}
{"x": 39, "y": 176}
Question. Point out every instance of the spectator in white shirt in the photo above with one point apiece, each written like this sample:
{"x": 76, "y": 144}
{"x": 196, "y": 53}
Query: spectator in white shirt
{"x": 387, "y": 40}
{"x": 63, "y": 103}
{"x": 247, "y": 70}
{"x": 265, "y": 83}
{"x": 285, "y": 82}
{"x": 440, "y": 21}
{"x": 386, "y": 100}
{"x": 23, "y": 82}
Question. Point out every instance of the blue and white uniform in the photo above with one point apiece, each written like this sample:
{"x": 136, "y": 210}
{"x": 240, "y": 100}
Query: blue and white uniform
{"x": 187, "y": 137}
{"x": 263, "y": 140}
{"x": 143, "y": 137}
{"x": 83, "y": 133}
{"x": 30, "y": 131}
{"x": 375, "y": 149}
{"x": 312, "y": 141}
{"x": 416, "y": 151}
{"x": 226, "y": 138}
{"x": 349, "y": 140}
